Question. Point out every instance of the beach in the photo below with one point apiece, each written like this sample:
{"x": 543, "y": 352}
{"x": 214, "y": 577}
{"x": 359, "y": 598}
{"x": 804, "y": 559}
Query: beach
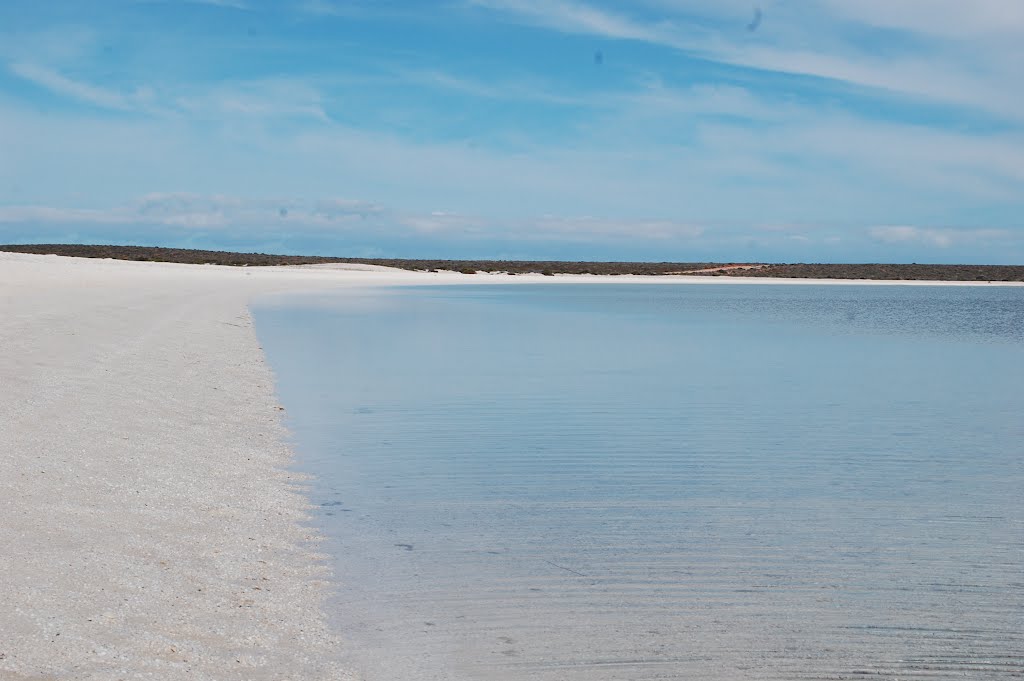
{"x": 151, "y": 526}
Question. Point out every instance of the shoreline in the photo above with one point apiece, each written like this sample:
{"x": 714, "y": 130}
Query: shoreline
{"x": 152, "y": 527}
{"x": 878, "y": 271}
{"x": 316, "y": 276}
{"x": 152, "y": 524}
{"x": 728, "y": 280}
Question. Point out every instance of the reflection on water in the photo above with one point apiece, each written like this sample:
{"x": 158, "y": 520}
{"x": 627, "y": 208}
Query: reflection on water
{"x": 666, "y": 482}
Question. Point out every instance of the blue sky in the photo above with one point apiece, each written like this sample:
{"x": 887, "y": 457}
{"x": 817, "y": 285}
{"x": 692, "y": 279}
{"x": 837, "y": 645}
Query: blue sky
{"x": 810, "y": 130}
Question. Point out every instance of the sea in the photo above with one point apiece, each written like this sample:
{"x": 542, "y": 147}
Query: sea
{"x": 569, "y": 482}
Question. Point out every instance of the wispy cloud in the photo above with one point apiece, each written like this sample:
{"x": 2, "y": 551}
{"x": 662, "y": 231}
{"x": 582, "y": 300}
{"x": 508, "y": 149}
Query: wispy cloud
{"x": 321, "y": 8}
{"x": 229, "y": 4}
{"x": 56, "y": 44}
{"x": 925, "y": 77}
{"x": 934, "y": 236}
{"x": 807, "y": 44}
{"x": 443, "y": 222}
{"x": 60, "y": 84}
{"x": 522, "y": 90}
{"x": 272, "y": 98}
{"x": 574, "y": 17}
{"x": 197, "y": 211}
{"x": 233, "y": 4}
{"x": 588, "y": 227}
{"x": 950, "y": 19}
{"x": 256, "y": 98}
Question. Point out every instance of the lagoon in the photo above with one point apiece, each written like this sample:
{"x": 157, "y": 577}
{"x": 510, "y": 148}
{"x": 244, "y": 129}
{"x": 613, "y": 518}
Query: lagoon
{"x": 664, "y": 481}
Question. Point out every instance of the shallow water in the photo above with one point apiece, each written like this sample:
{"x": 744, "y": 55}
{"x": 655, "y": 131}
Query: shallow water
{"x": 665, "y": 482}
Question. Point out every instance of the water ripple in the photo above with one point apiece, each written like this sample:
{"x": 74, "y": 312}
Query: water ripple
{"x": 602, "y": 483}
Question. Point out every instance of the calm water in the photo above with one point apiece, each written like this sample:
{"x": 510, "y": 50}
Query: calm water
{"x": 665, "y": 482}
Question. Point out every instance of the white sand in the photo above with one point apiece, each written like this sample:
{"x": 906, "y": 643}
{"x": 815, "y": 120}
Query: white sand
{"x": 149, "y": 527}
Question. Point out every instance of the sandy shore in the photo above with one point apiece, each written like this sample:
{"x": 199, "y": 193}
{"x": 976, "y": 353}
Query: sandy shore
{"x": 150, "y": 527}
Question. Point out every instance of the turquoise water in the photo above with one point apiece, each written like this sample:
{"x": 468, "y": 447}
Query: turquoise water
{"x": 665, "y": 482}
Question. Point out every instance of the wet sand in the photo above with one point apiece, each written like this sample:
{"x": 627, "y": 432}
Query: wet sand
{"x": 150, "y": 525}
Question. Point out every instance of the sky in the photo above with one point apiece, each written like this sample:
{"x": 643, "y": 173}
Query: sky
{"x": 684, "y": 130}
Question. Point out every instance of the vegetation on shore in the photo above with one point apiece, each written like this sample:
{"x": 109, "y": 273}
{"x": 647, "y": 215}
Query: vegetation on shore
{"x": 883, "y": 272}
{"x": 801, "y": 271}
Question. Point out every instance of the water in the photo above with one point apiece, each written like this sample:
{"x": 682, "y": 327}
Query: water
{"x": 665, "y": 482}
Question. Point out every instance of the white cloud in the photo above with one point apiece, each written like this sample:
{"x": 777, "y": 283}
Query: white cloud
{"x": 266, "y": 98}
{"x": 229, "y": 4}
{"x": 199, "y": 211}
{"x": 57, "y": 215}
{"x": 589, "y": 227}
{"x": 574, "y": 17}
{"x": 217, "y": 213}
{"x": 929, "y": 77}
{"x": 655, "y": 100}
{"x": 809, "y": 39}
{"x": 232, "y": 4}
{"x": 802, "y": 167}
{"x": 442, "y": 222}
{"x": 953, "y": 19}
{"x": 57, "y": 44}
{"x": 932, "y": 236}
{"x": 521, "y": 90}
{"x": 321, "y": 8}
{"x": 62, "y": 85}
{"x": 202, "y": 212}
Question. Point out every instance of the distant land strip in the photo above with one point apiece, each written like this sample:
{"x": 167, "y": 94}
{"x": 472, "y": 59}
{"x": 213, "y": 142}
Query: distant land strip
{"x": 881, "y": 272}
